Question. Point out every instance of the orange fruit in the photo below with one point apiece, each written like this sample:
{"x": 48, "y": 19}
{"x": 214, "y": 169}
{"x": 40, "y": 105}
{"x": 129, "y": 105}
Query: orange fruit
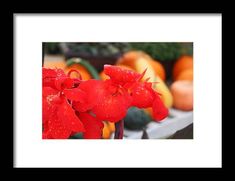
{"x": 182, "y": 91}
{"x": 184, "y": 62}
{"x": 185, "y": 75}
{"x": 129, "y": 58}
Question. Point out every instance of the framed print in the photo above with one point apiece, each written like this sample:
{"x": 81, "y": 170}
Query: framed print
{"x": 108, "y": 90}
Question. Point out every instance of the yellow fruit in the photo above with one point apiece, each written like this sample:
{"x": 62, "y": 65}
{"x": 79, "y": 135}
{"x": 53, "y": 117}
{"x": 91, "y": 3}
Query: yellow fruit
{"x": 159, "y": 69}
{"x": 162, "y": 88}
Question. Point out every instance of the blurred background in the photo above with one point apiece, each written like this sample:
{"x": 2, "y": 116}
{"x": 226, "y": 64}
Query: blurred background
{"x": 169, "y": 63}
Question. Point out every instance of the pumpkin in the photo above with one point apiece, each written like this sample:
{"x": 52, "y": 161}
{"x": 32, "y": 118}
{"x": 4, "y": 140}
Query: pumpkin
{"x": 136, "y": 119}
{"x": 182, "y": 91}
{"x": 184, "y": 62}
{"x": 185, "y": 75}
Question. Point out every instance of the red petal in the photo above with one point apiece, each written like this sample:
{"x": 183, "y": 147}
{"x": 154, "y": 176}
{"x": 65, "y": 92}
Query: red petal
{"x": 48, "y": 82}
{"x": 49, "y": 103}
{"x": 112, "y": 108}
{"x": 119, "y": 74}
{"x": 159, "y": 110}
{"x": 68, "y": 117}
{"x": 48, "y": 73}
{"x": 63, "y": 82}
{"x": 92, "y": 126}
{"x": 46, "y": 91}
{"x": 45, "y": 135}
{"x": 56, "y": 130}
{"x": 75, "y": 94}
{"x": 142, "y": 95}
{"x": 49, "y": 76}
{"x": 94, "y": 90}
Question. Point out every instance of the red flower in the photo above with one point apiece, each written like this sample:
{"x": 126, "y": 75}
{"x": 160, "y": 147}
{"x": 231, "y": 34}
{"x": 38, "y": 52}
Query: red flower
{"x": 110, "y": 99}
{"x": 59, "y": 118}
{"x": 106, "y": 99}
{"x": 142, "y": 94}
{"x": 93, "y": 126}
{"x": 114, "y": 104}
{"x": 120, "y": 75}
{"x": 72, "y": 105}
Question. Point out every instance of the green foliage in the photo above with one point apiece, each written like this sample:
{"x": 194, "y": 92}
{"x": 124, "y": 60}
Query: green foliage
{"x": 98, "y": 49}
{"x": 164, "y": 51}
{"x": 91, "y": 49}
{"x": 52, "y": 48}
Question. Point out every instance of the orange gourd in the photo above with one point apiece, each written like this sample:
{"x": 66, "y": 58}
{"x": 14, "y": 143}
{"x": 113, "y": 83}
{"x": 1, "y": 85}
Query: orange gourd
{"x": 185, "y": 75}
{"x": 130, "y": 57}
{"x": 183, "y": 63}
{"x": 182, "y": 92}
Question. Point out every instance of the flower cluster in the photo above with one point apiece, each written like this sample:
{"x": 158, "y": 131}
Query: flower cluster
{"x": 71, "y": 105}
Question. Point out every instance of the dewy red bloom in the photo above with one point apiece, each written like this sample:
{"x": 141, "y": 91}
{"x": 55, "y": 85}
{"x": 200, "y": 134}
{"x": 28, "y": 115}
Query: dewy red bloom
{"x": 120, "y": 75}
{"x": 92, "y": 125}
{"x": 141, "y": 93}
{"x": 59, "y": 118}
{"x": 93, "y": 92}
{"x": 72, "y": 105}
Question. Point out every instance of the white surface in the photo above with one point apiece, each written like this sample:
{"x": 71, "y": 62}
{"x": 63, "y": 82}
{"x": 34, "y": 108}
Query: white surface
{"x": 202, "y": 151}
{"x": 178, "y": 121}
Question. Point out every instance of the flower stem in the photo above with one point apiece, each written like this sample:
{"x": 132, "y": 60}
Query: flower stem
{"x": 119, "y": 126}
